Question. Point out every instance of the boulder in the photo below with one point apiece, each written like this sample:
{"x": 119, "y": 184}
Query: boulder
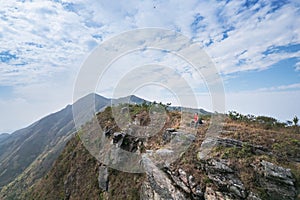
{"x": 277, "y": 181}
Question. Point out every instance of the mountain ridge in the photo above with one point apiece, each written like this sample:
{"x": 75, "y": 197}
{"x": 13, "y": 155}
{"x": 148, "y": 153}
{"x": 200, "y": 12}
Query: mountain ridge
{"x": 251, "y": 161}
{"x": 22, "y": 147}
{"x": 27, "y": 154}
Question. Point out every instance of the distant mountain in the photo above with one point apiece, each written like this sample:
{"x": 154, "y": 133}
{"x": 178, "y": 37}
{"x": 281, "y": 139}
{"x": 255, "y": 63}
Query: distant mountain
{"x": 3, "y": 136}
{"x": 38, "y": 145}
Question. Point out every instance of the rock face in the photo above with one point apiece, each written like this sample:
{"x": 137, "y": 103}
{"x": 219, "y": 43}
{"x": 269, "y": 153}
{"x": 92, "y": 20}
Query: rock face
{"x": 225, "y": 178}
{"x": 103, "y": 177}
{"x": 209, "y": 179}
{"x": 211, "y": 194}
{"x": 186, "y": 183}
{"x": 158, "y": 185}
{"x": 225, "y": 182}
{"x": 168, "y": 134}
{"x": 277, "y": 181}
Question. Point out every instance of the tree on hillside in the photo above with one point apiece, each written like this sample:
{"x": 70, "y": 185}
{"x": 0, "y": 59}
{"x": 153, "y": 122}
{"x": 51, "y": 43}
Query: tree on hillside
{"x": 295, "y": 120}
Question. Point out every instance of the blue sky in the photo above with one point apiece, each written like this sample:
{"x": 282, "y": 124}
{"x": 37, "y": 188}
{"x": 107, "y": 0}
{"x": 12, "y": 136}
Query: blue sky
{"x": 255, "y": 46}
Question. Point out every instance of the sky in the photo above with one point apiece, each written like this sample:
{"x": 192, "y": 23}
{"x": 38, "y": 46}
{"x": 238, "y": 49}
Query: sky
{"x": 254, "y": 45}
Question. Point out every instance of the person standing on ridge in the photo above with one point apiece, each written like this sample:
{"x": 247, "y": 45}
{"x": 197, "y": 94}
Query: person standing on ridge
{"x": 196, "y": 117}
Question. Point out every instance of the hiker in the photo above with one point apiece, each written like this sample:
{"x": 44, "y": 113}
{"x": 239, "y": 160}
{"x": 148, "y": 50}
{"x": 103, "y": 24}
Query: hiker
{"x": 194, "y": 121}
{"x": 197, "y": 120}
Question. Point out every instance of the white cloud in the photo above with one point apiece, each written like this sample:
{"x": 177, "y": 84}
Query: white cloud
{"x": 254, "y": 36}
{"x": 43, "y": 36}
{"x": 66, "y": 34}
{"x": 51, "y": 39}
{"x": 281, "y": 87}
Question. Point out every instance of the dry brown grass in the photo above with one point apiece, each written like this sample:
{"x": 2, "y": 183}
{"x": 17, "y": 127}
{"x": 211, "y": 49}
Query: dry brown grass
{"x": 283, "y": 142}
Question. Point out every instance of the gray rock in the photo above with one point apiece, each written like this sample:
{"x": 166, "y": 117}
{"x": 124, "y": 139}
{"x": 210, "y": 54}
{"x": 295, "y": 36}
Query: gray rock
{"x": 160, "y": 185}
{"x": 278, "y": 182}
{"x": 277, "y": 173}
{"x": 192, "y": 181}
{"x": 218, "y": 166}
{"x": 211, "y": 194}
{"x": 197, "y": 192}
{"x": 162, "y": 157}
{"x": 179, "y": 183}
{"x": 172, "y": 137}
{"x": 183, "y": 176}
{"x": 103, "y": 177}
{"x": 150, "y": 152}
{"x": 187, "y": 185}
{"x": 225, "y": 178}
{"x": 184, "y": 139}
{"x": 166, "y": 137}
{"x": 147, "y": 192}
{"x": 238, "y": 190}
{"x": 124, "y": 110}
{"x": 253, "y": 196}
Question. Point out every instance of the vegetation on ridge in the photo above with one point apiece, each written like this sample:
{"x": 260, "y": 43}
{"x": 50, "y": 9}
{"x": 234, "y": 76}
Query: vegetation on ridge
{"x": 75, "y": 173}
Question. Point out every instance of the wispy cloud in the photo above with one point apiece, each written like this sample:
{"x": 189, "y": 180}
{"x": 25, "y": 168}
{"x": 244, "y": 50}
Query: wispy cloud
{"x": 45, "y": 42}
{"x": 41, "y": 37}
{"x": 295, "y": 86}
{"x": 254, "y": 31}
{"x": 57, "y": 34}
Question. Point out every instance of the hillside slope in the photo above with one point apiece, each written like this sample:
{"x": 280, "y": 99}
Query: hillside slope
{"x": 249, "y": 161}
{"x": 27, "y": 154}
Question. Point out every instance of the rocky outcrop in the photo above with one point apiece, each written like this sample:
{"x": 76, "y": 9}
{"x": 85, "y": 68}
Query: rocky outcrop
{"x": 103, "y": 177}
{"x": 167, "y": 135}
{"x": 211, "y": 194}
{"x": 278, "y": 182}
{"x": 162, "y": 182}
{"x": 186, "y": 183}
{"x": 225, "y": 179}
{"x": 158, "y": 185}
